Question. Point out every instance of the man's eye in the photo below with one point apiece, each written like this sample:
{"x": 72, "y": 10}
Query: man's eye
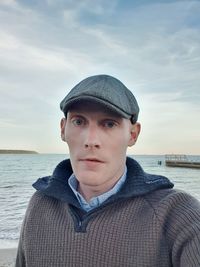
{"x": 78, "y": 122}
{"x": 109, "y": 124}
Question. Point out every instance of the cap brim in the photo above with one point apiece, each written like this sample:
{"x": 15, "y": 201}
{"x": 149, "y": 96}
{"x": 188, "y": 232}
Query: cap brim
{"x": 65, "y": 106}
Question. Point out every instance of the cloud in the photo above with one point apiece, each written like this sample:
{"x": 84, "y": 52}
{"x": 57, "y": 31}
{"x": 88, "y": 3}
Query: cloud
{"x": 48, "y": 46}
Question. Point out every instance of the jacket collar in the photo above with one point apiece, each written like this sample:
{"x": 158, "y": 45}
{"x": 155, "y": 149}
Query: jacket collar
{"x": 137, "y": 183}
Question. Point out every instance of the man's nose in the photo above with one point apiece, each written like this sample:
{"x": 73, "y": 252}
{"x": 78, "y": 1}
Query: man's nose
{"x": 92, "y": 138}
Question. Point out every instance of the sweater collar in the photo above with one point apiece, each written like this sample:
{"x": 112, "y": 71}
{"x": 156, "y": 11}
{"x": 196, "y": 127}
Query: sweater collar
{"x": 138, "y": 183}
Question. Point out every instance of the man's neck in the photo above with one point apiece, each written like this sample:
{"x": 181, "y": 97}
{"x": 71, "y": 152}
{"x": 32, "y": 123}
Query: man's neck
{"x": 88, "y": 192}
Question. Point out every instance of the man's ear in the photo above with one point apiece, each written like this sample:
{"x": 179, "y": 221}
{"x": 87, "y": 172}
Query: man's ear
{"x": 134, "y": 133}
{"x": 62, "y": 128}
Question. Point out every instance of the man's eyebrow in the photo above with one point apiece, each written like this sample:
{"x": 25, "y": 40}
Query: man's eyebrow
{"x": 73, "y": 114}
{"x": 112, "y": 118}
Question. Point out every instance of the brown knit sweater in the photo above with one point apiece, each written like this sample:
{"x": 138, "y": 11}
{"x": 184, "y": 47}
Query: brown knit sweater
{"x": 157, "y": 229}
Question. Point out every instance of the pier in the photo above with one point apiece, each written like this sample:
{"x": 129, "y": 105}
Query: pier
{"x": 183, "y": 161}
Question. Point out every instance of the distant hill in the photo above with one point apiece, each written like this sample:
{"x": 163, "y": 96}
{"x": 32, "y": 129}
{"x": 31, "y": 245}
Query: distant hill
{"x": 10, "y": 151}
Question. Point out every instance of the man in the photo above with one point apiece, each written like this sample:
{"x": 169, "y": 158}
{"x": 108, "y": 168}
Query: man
{"x": 99, "y": 208}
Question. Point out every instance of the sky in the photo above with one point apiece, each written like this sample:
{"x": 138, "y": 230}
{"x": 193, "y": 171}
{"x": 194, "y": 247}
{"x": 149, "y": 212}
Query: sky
{"x": 153, "y": 47}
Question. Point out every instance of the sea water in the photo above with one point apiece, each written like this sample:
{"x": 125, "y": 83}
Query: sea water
{"x": 18, "y": 172}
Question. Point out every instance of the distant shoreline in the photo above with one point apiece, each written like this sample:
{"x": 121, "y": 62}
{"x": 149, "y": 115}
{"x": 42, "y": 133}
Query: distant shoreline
{"x": 13, "y": 151}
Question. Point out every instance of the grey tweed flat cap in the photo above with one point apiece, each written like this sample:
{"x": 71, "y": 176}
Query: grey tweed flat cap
{"x": 105, "y": 90}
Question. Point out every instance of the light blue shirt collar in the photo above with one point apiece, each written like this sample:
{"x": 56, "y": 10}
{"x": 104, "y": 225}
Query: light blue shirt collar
{"x": 95, "y": 201}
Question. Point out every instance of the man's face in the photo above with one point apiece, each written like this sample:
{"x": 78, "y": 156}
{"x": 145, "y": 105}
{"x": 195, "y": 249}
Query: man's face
{"x": 97, "y": 140}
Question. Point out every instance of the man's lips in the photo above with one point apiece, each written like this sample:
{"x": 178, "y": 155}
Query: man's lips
{"x": 91, "y": 160}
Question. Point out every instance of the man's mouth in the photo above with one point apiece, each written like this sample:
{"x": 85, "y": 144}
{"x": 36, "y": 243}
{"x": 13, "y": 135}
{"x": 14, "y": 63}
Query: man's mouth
{"x": 91, "y": 160}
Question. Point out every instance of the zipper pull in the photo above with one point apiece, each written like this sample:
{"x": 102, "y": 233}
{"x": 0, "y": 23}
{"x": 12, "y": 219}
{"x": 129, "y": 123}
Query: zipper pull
{"x": 80, "y": 224}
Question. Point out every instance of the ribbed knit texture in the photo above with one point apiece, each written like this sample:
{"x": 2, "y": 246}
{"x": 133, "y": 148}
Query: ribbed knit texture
{"x": 146, "y": 231}
{"x": 146, "y": 224}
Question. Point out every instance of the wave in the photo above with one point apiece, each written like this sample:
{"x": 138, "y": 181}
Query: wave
{"x": 8, "y": 186}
